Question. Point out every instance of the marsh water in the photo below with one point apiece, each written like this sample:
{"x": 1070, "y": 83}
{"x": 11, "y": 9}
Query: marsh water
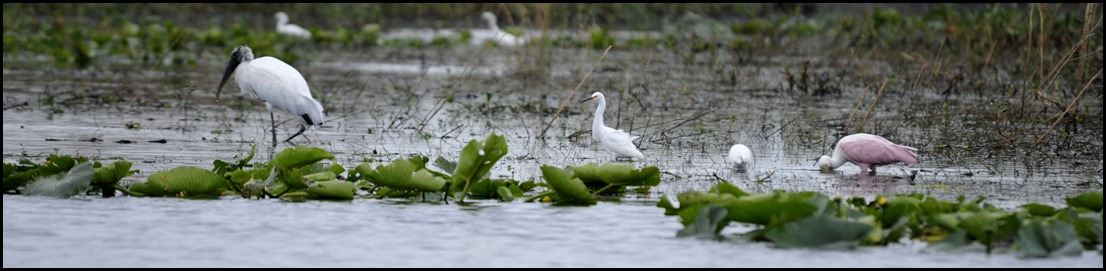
{"x": 141, "y": 232}
{"x": 385, "y": 103}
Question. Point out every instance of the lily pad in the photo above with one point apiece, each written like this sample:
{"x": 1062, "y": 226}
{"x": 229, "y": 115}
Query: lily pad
{"x": 820, "y": 232}
{"x": 569, "y": 189}
{"x": 78, "y": 179}
{"x": 185, "y": 181}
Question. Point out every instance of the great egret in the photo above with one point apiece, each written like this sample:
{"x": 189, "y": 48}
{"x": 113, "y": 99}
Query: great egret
{"x": 277, "y": 84}
{"x": 495, "y": 35}
{"x": 617, "y": 142}
{"x": 740, "y": 157}
{"x": 286, "y": 28}
{"x": 867, "y": 151}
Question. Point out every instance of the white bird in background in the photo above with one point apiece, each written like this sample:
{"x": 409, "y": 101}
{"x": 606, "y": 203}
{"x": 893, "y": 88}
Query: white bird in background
{"x": 617, "y": 142}
{"x": 286, "y": 28}
{"x": 277, "y": 84}
{"x": 867, "y": 151}
{"x": 495, "y": 35}
{"x": 740, "y": 157}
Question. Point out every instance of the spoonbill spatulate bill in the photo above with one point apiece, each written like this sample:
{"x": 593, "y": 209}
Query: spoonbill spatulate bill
{"x": 867, "y": 151}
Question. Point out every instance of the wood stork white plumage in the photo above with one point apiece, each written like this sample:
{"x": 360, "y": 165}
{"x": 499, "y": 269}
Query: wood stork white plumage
{"x": 286, "y": 28}
{"x": 616, "y": 141}
{"x": 277, "y": 84}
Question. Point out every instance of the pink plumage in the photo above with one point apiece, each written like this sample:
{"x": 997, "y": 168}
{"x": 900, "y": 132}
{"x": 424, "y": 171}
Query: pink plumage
{"x": 867, "y": 151}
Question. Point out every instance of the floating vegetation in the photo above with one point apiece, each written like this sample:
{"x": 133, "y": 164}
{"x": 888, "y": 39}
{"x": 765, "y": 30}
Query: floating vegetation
{"x": 404, "y": 175}
{"x": 812, "y": 220}
{"x": 933, "y": 46}
{"x": 579, "y": 185}
{"x": 185, "y": 182}
{"x": 59, "y": 176}
{"x": 78, "y": 179}
{"x": 477, "y": 160}
{"x": 786, "y": 219}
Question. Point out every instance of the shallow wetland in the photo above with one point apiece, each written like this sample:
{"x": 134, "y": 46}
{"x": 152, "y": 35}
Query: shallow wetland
{"x": 971, "y": 106}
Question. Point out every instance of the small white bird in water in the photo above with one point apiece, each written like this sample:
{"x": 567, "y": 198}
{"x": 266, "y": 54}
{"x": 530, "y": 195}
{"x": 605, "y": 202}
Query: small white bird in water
{"x": 617, "y": 142}
{"x": 494, "y": 34}
{"x": 740, "y": 157}
{"x": 277, "y": 84}
{"x": 286, "y": 28}
{"x": 867, "y": 151}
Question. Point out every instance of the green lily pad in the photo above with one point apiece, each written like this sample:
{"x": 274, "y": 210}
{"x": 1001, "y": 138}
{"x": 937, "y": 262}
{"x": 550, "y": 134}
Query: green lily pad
{"x": 820, "y": 232}
{"x": 569, "y": 189}
{"x": 184, "y": 181}
{"x": 477, "y": 159}
{"x": 709, "y": 222}
{"x": 334, "y": 190}
{"x": 77, "y": 180}
{"x": 299, "y": 156}
{"x": 1041, "y": 239}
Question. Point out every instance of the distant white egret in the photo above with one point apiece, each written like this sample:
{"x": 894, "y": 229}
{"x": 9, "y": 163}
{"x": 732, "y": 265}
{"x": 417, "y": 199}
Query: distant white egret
{"x": 867, "y": 151}
{"x": 277, "y": 84}
{"x": 286, "y": 28}
{"x": 740, "y": 157}
{"x": 495, "y": 34}
{"x": 617, "y": 142}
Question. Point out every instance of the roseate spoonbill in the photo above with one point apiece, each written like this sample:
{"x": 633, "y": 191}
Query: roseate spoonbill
{"x": 867, "y": 151}
{"x": 495, "y": 35}
{"x": 286, "y": 28}
{"x": 740, "y": 157}
{"x": 617, "y": 142}
{"x": 277, "y": 84}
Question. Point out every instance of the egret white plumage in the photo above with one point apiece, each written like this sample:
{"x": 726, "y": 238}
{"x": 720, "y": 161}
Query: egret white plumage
{"x": 277, "y": 84}
{"x": 286, "y": 28}
{"x": 740, "y": 157}
{"x": 616, "y": 141}
{"x": 494, "y": 34}
{"x": 867, "y": 151}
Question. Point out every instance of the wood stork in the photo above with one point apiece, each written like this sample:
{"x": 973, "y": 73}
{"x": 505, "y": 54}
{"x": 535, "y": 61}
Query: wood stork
{"x": 867, "y": 151}
{"x": 277, "y": 84}
{"x": 286, "y": 28}
{"x": 616, "y": 141}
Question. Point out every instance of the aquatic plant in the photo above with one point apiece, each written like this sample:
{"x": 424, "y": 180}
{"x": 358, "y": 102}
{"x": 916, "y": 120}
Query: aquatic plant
{"x": 581, "y": 184}
{"x": 184, "y": 182}
{"x": 107, "y": 177}
{"x": 809, "y": 219}
{"x": 476, "y": 161}
{"x": 77, "y": 180}
{"x": 568, "y": 188}
{"x": 18, "y": 177}
{"x": 403, "y": 175}
{"x": 296, "y": 172}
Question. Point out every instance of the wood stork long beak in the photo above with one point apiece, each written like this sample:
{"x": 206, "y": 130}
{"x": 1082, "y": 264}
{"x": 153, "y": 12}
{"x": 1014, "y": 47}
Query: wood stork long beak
{"x": 235, "y": 59}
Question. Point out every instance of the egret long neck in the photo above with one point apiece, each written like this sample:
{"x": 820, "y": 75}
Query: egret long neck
{"x": 493, "y": 25}
{"x": 597, "y": 122}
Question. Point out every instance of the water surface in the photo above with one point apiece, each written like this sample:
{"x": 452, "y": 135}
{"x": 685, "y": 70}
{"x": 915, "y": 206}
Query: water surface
{"x": 142, "y": 232}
